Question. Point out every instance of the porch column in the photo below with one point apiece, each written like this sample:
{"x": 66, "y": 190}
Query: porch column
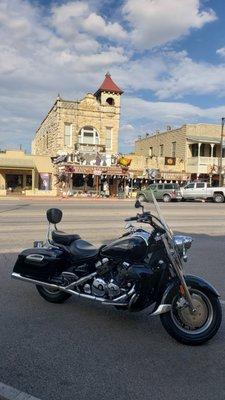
{"x": 24, "y": 181}
{"x": 199, "y": 150}
{"x": 212, "y": 148}
{"x": 33, "y": 180}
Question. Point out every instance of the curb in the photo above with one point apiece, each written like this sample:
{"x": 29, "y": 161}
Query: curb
{"x": 9, "y": 393}
{"x": 56, "y": 198}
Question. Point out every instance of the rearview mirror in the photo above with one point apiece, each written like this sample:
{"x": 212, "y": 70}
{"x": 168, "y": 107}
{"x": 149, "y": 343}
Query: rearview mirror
{"x": 138, "y": 204}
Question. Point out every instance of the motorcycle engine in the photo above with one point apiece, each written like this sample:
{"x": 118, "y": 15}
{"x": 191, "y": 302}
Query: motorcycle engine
{"x": 108, "y": 282}
{"x": 102, "y": 288}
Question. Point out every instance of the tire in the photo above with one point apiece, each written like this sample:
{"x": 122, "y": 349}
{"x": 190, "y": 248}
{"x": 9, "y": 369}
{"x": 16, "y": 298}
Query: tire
{"x": 218, "y": 198}
{"x": 141, "y": 198}
{"x": 166, "y": 198}
{"x": 210, "y": 312}
{"x": 53, "y": 296}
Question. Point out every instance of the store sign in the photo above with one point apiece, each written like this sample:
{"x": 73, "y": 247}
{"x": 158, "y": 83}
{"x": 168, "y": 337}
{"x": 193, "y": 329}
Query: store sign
{"x": 174, "y": 176}
{"x": 97, "y": 172}
{"x": 88, "y": 170}
{"x": 170, "y": 161}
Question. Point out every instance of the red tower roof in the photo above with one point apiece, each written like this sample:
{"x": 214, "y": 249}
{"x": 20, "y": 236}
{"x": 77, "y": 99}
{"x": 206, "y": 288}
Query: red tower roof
{"x": 108, "y": 86}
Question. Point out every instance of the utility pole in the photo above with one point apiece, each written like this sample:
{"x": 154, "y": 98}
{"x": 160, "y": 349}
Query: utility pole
{"x": 222, "y": 146}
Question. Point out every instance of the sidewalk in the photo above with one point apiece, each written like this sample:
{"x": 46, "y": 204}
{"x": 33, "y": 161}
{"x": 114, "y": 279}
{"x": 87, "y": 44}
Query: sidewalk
{"x": 54, "y": 198}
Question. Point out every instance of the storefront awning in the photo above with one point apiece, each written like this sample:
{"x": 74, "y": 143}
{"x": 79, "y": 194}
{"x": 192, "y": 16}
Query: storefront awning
{"x": 203, "y": 139}
{"x": 94, "y": 170}
{"x": 16, "y": 163}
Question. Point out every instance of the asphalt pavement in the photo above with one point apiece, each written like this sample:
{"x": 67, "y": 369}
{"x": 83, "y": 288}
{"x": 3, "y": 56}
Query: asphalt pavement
{"x": 82, "y": 350}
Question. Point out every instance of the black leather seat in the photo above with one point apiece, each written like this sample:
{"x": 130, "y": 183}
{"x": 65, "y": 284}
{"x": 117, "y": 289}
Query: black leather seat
{"x": 82, "y": 250}
{"x": 60, "y": 237}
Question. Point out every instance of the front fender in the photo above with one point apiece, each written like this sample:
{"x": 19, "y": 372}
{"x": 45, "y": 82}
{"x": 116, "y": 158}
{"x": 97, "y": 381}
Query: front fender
{"x": 193, "y": 281}
{"x": 163, "y": 303}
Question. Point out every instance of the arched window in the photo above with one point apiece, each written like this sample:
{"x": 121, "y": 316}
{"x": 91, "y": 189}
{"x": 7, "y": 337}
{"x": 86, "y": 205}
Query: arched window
{"x": 110, "y": 101}
{"x": 88, "y": 135}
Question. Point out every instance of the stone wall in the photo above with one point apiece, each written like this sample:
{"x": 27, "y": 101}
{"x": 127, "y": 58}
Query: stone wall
{"x": 142, "y": 146}
{"x": 89, "y": 111}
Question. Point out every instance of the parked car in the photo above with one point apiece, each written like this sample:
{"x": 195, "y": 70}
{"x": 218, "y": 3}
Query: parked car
{"x": 162, "y": 191}
{"x": 202, "y": 190}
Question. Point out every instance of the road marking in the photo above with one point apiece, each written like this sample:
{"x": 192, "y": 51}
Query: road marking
{"x": 10, "y": 393}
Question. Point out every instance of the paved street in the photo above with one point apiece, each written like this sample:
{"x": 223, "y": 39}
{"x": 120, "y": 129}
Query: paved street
{"x": 80, "y": 350}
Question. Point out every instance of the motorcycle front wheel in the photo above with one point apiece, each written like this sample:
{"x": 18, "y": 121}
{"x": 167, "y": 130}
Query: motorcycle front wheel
{"x": 193, "y": 328}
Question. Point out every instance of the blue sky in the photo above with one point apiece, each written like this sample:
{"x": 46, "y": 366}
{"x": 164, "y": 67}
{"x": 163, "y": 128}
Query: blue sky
{"x": 167, "y": 55}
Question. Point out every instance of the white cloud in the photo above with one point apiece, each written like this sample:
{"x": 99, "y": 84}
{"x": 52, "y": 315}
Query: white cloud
{"x": 172, "y": 75}
{"x": 68, "y": 49}
{"x": 141, "y": 116}
{"x": 156, "y": 22}
{"x": 70, "y": 18}
{"x": 96, "y": 25}
{"x": 168, "y": 112}
{"x": 221, "y": 51}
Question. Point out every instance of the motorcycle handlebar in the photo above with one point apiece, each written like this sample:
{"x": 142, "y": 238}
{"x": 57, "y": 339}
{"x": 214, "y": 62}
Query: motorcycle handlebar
{"x": 131, "y": 219}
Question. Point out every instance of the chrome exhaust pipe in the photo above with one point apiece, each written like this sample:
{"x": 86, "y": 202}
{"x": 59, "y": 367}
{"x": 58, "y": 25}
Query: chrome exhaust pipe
{"x": 116, "y": 301}
{"x": 34, "y": 281}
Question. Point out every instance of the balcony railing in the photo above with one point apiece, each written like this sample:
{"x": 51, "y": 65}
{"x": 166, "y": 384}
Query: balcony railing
{"x": 90, "y": 148}
{"x": 193, "y": 161}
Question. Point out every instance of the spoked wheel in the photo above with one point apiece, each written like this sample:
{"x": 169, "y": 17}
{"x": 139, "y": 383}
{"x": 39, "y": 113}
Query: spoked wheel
{"x": 193, "y": 328}
{"x": 218, "y": 198}
{"x": 166, "y": 198}
{"x": 52, "y": 295}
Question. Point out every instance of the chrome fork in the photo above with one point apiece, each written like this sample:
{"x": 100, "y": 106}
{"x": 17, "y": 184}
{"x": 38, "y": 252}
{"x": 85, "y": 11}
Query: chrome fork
{"x": 176, "y": 265}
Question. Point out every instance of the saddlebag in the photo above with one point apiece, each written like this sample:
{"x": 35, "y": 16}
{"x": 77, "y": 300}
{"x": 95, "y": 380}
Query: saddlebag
{"x": 40, "y": 263}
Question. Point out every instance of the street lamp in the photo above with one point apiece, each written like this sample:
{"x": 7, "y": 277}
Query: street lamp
{"x": 222, "y": 146}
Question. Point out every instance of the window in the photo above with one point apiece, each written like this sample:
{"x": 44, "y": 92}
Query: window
{"x": 28, "y": 180}
{"x": 174, "y": 145}
{"x": 150, "y": 151}
{"x": 168, "y": 186}
{"x": 88, "y": 135}
{"x": 200, "y": 185}
{"x": 160, "y": 187}
{"x": 110, "y": 101}
{"x": 161, "y": 150}
{"x": 190, "y": 186}
{"x": 68, "y": 135}
{"x": 108, "y": 138}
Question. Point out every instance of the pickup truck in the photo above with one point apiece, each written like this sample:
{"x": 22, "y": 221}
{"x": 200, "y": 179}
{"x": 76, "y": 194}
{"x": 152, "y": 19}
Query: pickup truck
{"x": 202, "y": 190}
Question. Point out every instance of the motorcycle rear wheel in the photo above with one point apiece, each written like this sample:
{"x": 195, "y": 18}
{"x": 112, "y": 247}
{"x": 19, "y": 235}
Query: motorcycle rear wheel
{"x": 52, "y": 295}
{"x": 193, "y": 329}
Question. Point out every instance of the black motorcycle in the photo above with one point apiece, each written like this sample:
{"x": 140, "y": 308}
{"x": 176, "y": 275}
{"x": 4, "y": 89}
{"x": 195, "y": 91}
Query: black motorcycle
{"x": 141, "y": 269}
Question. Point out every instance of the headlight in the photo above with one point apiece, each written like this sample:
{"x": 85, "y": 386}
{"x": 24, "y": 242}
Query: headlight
{"x": 183, "y": 243}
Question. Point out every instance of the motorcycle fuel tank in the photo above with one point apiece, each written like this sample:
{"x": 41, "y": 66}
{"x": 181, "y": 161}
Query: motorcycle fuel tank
{"x": 133, "y": 247}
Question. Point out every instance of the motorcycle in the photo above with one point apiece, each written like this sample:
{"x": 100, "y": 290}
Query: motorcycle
{"x": 143, "y": 268}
